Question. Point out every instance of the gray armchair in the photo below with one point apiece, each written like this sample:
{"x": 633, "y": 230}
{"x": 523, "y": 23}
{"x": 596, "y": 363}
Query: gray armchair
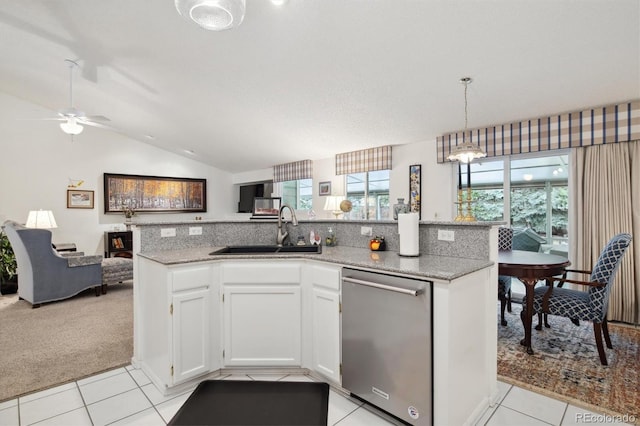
{"x": 43, "y": 274}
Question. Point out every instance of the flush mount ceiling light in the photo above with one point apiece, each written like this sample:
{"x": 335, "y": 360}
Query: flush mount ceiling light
{"x": 214, "y": 15}
{"x": 467, "y": 151}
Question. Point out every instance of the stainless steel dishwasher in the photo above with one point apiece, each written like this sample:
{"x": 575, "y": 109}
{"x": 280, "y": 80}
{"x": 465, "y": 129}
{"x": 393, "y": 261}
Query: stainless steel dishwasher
{"x": 387, "y": 343}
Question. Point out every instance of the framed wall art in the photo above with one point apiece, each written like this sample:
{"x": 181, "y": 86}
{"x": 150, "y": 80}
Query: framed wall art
{"x": 77, "y": 199}
{"x": 324, "y": 188}
{"x": 415, "y": 177}
{"x": 154, "y": 194}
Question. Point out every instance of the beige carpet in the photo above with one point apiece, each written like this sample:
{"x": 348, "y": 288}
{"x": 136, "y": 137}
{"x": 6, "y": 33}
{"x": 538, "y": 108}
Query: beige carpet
{"x": 63, "y": 341}
{"x": 566, "y": 365}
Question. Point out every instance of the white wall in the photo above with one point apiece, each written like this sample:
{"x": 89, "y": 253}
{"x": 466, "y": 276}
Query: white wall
{"x": 437, "y": 191}
{"x": 37, "y": 160}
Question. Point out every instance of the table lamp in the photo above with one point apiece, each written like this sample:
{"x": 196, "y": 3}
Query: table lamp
{"x": 332, "y": 204}
{"x": 41, "y": 219}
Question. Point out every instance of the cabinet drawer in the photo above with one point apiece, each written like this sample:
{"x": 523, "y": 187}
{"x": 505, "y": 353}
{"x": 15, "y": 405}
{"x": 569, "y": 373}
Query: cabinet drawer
{"x": 325, "y": 277}
{"x": 261, "y": 273}
{"x": 189, "y": 278}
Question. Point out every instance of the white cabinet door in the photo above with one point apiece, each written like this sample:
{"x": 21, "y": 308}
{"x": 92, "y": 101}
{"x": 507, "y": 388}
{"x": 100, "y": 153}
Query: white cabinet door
{"x": 326, "y": 333}
{"x": 191, "y": 338}
{"x": 262, "y": 325}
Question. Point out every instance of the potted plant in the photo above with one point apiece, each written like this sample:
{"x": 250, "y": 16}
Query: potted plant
{"x": 128, "y": 213}
{"x": 8, "y": 266}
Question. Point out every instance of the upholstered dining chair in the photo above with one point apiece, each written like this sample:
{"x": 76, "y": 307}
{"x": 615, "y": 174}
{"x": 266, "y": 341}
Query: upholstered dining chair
{"x": 588, "y": 305}
{"x": 505, "y": 240}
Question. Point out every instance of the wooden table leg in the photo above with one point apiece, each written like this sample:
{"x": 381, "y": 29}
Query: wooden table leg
{"x": 527, "y": 313}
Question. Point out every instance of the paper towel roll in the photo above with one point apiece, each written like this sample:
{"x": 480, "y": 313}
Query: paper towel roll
{"x": 409, "y": 235}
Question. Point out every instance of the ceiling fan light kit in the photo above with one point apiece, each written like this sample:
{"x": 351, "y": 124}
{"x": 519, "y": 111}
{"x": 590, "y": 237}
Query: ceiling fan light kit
{"x": 71, "y": 126}
{"x": 214, "y": 15}
{"x": 71, "y": 119}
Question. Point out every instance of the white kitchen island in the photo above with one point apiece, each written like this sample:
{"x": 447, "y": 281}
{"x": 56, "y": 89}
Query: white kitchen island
{"x": 197, "y": 315}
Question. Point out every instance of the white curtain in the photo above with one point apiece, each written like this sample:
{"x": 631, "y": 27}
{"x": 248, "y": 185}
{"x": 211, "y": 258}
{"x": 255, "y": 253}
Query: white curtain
{"x": 605, "y": 201}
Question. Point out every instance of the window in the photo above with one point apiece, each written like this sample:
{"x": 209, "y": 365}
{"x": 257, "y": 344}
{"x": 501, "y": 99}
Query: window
{"x": 298, "y": 193}
{"x": 525, "y": 191}
{"x": 369, "y": 195}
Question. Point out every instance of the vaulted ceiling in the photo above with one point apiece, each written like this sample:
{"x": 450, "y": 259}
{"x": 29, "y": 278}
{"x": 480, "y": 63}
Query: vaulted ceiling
{"x": 312, "y": 78}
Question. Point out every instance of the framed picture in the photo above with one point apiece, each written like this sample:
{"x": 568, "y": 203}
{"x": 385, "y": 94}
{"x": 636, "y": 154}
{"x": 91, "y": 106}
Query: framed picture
{"x": 324, "y": 188}
{"x": 151, "y": 194}
{"x": 266, "y": 207}
{"x": 415, "y": 177}
{"x": 77, "y": 199}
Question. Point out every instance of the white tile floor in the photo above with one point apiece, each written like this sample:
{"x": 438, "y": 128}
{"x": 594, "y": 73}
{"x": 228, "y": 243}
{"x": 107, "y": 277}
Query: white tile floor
{"x": 125, "y": 396}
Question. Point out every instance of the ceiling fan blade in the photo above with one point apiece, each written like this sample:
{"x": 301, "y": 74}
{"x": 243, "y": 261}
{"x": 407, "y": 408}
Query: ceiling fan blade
{"x": 98, "y": 125}
{"x": 45, "y": 119}
{"x": 97, "y": 118}
{"x": 71, "y": 112}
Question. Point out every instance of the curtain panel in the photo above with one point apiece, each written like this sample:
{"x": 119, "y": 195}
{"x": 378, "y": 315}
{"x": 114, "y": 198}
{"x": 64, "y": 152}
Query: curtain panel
{"x": 366, "y": 160}
{"x": 605, "y": 201}
{"x": 595, "y": 126}
{"x": 293, "y": 171}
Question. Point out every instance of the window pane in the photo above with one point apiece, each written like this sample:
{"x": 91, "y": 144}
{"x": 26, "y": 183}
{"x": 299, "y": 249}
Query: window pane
{"x": 369, "y": 195}
{"x": 356, "y": 194}
{"x": 487, "y": 189}
{"x": 539, "y": 196}
{"x": 528, "y": 208}
{"x": 298, "y": 193}
{"x": 305, "y": 195}
{"x": 290, "y": 192}
{"x": 378, "y": 193}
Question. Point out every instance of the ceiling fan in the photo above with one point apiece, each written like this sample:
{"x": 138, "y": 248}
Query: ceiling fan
{"x": 72, "y": 119}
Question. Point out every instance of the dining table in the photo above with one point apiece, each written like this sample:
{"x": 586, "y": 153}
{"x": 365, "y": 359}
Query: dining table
{"x": 530, "y": 267}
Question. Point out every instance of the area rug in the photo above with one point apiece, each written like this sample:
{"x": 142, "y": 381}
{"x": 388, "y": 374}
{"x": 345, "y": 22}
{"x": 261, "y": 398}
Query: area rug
{"x": 566, "y": 365}
{"x": 63, "y": 341}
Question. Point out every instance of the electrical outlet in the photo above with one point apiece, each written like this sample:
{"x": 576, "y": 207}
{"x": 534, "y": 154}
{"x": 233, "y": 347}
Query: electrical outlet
{"x": 444, "y": 235}
{"x": 195, "y": 230}
{"x": 366, "y": 230}
{"x": 168, "y": 232}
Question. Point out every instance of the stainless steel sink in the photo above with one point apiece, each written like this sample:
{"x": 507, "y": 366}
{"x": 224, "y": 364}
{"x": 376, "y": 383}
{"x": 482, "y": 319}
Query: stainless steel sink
{"x": 267, "y": 249}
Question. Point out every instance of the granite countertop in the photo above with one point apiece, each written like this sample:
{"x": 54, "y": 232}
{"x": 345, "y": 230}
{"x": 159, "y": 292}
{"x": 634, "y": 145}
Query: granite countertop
{"x": 427, "y": 266}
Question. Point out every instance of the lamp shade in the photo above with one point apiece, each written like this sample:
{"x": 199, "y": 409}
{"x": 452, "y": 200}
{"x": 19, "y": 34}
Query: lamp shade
{"x": 42, "y": 219}
{"x": 214, "y": 15}
{"x": 332, "y": 204}
{"x": 466, "y": 152}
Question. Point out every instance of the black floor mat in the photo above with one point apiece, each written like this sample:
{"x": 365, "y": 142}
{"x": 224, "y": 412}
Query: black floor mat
{"x": 219, "y": 402}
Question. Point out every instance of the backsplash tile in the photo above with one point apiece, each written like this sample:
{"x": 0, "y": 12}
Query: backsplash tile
{"x": 470, "y": 241}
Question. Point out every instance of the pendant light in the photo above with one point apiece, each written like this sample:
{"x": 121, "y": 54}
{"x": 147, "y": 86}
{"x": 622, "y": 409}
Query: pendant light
{"x": 467, "y": 151}
{"x": 214, "y": 15}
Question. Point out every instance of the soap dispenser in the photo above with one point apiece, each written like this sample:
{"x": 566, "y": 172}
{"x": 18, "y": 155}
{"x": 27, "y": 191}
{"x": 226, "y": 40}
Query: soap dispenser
{"x": 330, "y": 241}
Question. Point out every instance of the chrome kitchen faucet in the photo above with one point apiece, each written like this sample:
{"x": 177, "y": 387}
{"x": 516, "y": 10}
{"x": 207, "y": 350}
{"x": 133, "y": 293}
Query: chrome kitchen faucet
{"x": 283, "y": 235}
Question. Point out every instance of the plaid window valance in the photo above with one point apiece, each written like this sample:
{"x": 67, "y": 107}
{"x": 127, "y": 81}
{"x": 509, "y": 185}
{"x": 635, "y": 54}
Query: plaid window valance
{"x": 596, "y": 126}
{"x": 366, "y": 160}
{"x": 293, "y": 171}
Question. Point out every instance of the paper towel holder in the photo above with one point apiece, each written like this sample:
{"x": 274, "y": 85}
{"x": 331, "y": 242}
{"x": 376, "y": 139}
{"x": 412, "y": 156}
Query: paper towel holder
{"x": 411, "y": 247}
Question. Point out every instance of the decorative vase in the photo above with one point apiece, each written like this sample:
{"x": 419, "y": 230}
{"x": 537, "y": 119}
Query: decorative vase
{"x": 400, "y": 208}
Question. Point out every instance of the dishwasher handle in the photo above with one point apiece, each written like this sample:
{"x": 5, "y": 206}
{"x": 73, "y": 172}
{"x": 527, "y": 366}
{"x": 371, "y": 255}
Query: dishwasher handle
{"x": 384, "y": 286}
